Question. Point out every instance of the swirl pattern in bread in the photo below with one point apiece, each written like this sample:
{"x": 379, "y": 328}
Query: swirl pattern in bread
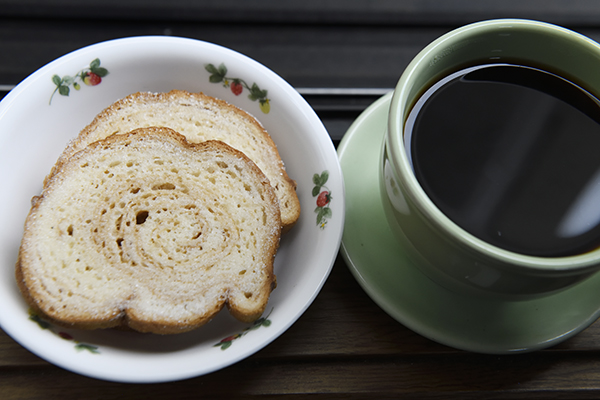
{"x": 149, "y": 231}
{"x": 199, "y": 118}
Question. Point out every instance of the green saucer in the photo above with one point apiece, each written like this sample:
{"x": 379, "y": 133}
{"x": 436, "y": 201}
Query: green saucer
{"x": 381, "y": 267}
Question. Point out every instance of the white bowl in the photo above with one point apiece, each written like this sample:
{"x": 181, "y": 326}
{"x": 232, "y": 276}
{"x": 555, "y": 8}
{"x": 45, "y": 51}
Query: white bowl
{"x": 39, "y": 117}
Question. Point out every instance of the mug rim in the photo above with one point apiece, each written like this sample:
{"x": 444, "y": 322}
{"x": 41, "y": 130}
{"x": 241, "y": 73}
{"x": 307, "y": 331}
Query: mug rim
{"x": 397, "y": 155}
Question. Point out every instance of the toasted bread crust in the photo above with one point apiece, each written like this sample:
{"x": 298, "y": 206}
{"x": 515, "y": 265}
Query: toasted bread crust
{"x": 72, "y": 272}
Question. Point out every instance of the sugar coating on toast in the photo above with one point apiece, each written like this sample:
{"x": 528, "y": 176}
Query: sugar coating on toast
{"x": 199, "y": 118}
{"x": 149, "y": 231}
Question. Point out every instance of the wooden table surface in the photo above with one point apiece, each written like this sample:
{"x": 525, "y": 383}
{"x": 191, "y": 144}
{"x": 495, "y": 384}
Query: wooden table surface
{"x": 344, "y": 346}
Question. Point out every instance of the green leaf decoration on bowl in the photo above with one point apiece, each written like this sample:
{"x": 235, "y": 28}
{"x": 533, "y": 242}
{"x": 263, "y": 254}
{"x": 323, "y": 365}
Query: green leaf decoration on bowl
{"x": 63, "y": 335}
{"x": 226, "y": 343}
{"x": 238, "y": 85}
{"x": 91, "y": 76}
{"x": 323, "y": 195}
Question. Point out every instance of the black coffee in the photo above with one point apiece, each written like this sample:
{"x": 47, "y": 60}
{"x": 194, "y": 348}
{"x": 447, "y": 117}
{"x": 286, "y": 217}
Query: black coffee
{"x": 512, "y": 155}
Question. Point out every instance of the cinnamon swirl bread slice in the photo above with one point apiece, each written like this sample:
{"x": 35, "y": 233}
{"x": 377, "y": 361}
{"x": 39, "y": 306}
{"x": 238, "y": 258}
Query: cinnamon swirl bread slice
{"x": 148, "y": 231}
{"x": 198, "y": 117}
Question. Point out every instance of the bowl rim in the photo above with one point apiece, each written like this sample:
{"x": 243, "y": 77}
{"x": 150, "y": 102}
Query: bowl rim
{"x": 326, "y": 154}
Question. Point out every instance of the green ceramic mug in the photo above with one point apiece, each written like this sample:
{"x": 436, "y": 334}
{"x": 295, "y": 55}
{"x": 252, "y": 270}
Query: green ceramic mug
{"x": 439, "y": 247}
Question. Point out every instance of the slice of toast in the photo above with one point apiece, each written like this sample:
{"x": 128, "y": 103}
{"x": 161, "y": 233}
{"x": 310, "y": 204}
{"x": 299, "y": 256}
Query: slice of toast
{"x": 149, "y": 231}
{"x": 199, "y": 118}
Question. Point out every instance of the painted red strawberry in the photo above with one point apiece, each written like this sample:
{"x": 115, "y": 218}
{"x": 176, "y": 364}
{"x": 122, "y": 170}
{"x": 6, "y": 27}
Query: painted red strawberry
{"x": 323, "y": 199}
{"x": 65, "y": 335}
{"x": 236, "y": 88}
{"x": 92, "y": 79}
{"x": 230, "y": 338}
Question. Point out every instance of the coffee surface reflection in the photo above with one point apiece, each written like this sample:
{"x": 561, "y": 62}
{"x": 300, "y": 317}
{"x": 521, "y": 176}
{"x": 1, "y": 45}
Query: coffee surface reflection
{"x": 511, "y": 154}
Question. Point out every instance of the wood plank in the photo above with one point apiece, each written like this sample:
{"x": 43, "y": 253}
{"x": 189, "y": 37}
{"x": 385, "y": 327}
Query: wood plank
{"x": 306, "y": 56}
{"x": 465, "y": 376}
{"x": 410, "y": 12}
